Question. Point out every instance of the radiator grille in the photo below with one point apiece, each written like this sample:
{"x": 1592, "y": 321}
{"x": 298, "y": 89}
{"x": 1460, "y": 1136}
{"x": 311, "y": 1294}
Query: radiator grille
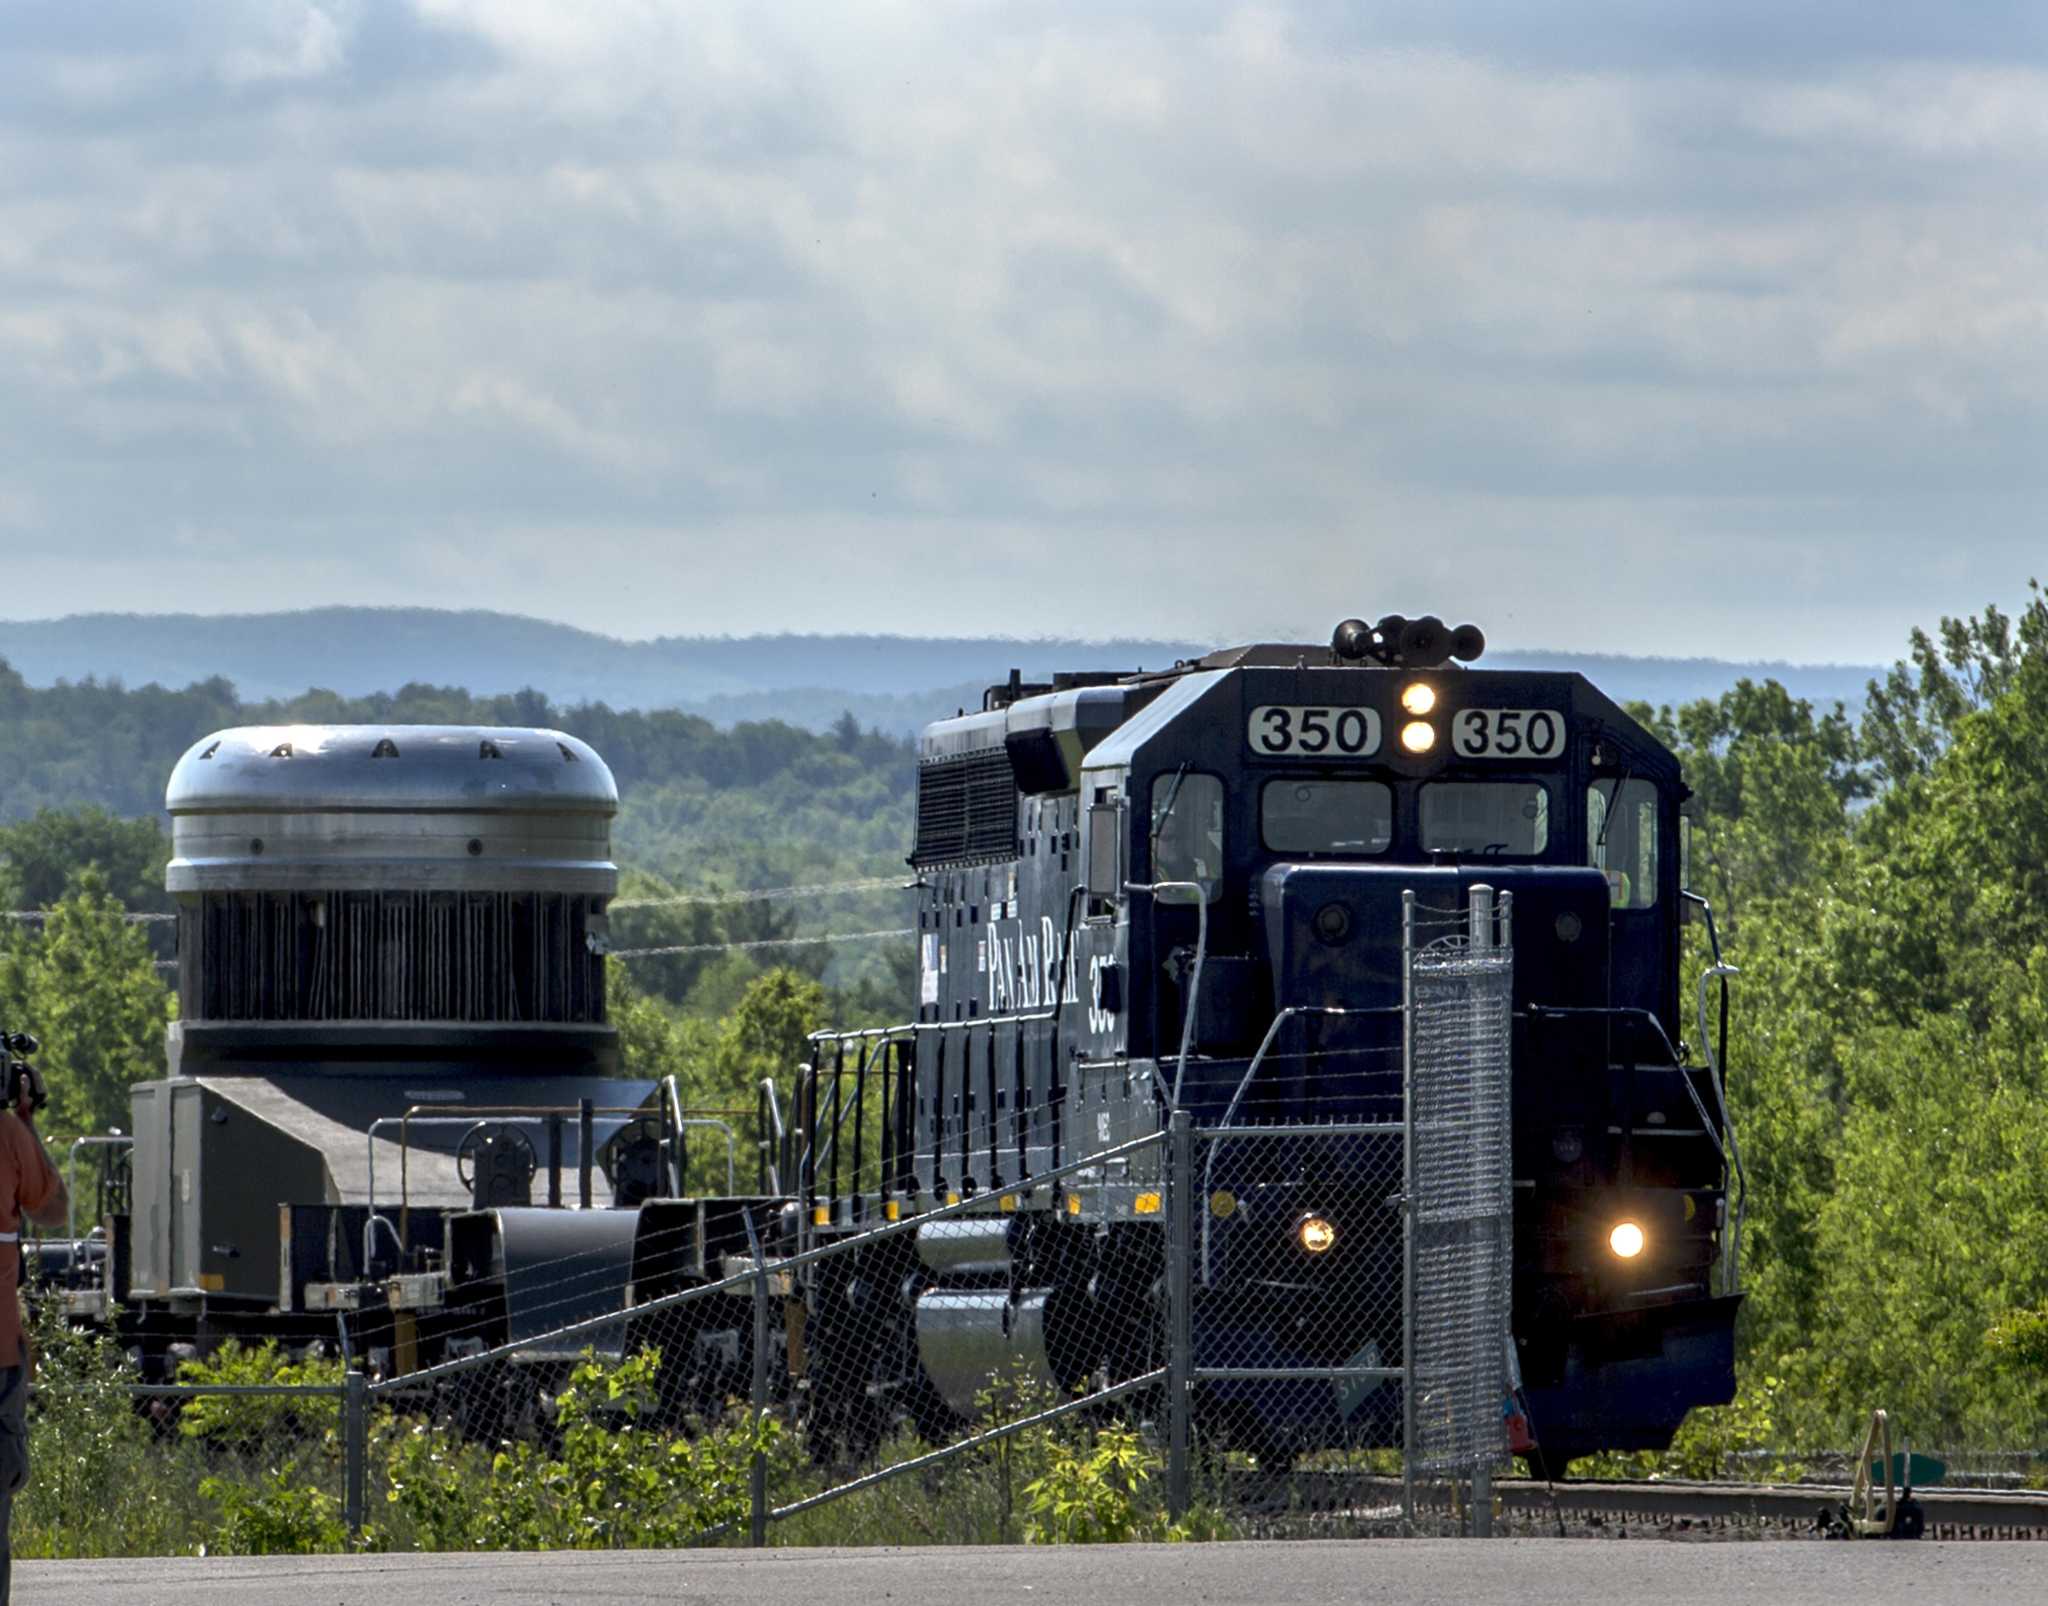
{"x": 966, "y": 809}
{"x": 424, "y": 956}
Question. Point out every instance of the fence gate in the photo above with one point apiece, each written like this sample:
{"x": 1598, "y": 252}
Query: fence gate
{"x": 1459, "y": 972}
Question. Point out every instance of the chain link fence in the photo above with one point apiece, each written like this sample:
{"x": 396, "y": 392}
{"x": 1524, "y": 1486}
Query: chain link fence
{"x": 1240, "y": 1326}
{"x": 218, "y": 1465}
{"x": 1460, "y": 1028}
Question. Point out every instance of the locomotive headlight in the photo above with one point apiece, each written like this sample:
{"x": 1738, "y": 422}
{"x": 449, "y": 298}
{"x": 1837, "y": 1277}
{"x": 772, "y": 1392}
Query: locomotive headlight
{"x": 1315, "y": 1235}
{"x": 1418, "y": 699}
{"x": 1418, "y": 735}
{"x": 1626, "y": 1240}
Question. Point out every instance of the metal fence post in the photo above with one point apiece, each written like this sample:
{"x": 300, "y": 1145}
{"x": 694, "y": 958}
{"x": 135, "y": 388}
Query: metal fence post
{"x": 1480, "y": 938}
{"x": 757, "y": 1476}
{"x": 1408, "y": 1209}
{"x": 1180, "y": 1238}
{"x": 355, "y": 1434}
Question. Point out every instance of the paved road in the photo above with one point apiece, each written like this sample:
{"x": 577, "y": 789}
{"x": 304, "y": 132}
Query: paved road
{"x": 1503, "y": 1572}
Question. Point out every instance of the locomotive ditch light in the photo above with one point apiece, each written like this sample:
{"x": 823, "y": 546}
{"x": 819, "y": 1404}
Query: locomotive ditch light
{"x": 1626, "y": 1240}
{"x": 1418, "y": 699}
{"x": 1315, "y": 1235}
{"x": 1418, "y": 736}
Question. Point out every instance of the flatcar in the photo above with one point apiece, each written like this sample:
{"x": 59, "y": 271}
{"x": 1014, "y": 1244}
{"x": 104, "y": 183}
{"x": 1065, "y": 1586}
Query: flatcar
{"x": 393, "y": 1053}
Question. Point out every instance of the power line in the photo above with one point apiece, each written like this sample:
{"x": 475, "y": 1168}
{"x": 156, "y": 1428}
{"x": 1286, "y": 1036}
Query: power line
{"x": 765, "y": 942}
{"x": 719, "y": 947}
{"x": 818, "y": 889}
{"x": 133, "y": 919}
{"x": 815, "y": 889}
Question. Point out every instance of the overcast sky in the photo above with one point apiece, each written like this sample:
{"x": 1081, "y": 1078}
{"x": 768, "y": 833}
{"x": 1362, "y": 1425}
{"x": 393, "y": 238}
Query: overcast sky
{"x": 1717, "y": 327}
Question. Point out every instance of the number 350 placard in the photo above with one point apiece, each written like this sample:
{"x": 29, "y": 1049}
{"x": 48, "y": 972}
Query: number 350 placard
{"x": 1507, "y": 733}
{"x": 1325, "y": 732}
{"x": 1355, "y": 732}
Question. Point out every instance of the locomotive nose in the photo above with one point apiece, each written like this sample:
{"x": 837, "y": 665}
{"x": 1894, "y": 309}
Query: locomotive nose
{"x": 1333, "y": 931}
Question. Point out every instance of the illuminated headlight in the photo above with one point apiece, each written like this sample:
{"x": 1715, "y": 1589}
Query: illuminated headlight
{"x": 1626, "y": 1240}
{"x": 1315, "y": 1235}
{"x": 1418, "y": 699}
{"x": 1418, "y": 736}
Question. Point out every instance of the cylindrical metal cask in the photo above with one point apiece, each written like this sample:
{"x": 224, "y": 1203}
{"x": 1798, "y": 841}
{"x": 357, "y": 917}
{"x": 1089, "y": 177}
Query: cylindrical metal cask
{"x": 412, "y": 893}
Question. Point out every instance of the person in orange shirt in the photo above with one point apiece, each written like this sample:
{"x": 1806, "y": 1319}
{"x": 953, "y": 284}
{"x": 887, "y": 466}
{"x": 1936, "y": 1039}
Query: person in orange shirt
{"x": 29, "y": 1186}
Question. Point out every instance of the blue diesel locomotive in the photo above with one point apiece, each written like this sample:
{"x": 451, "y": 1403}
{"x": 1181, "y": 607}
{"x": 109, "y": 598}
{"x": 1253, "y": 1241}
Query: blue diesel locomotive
{"x": 1148, "y": 890}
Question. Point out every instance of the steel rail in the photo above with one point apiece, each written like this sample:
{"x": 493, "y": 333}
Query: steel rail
{"x": 2004, "y": 1513}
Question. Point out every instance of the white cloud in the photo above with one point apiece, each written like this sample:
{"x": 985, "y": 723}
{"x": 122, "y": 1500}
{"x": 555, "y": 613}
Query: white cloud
{"x": 290, "y": 41}
{"x": 1173, "y": 321}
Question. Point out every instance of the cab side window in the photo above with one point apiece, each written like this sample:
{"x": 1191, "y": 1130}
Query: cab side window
{"x": 1187, "y": 834}
{"x": 1621, "y": 840}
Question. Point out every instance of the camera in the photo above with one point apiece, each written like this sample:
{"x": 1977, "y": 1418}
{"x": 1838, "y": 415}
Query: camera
{"x": 22, "y": 1077}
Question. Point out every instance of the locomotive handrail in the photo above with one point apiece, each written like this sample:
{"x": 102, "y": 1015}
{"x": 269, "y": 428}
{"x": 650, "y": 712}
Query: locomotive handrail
{"x": 772, "y": 1146}
{"x": 1187, "y": 1018}
{"x": 971, "y": 1023}
{"x": 1721, "y": 971}
{"x": 682, "y": 1151}
{"x": 117, "y": 1140}
{"x": 1730, "y": 1151}
{"x": 1714, "y": 946}
{"x": 370, "y": 1225}
{"x": 445, "y": 1115}
{"x": 1280, "y": 1019}
{"x": 1677, "y": 1062}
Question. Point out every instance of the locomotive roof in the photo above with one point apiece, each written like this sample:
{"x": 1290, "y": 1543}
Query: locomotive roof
{"x": 400, "y": 767}
{"x": 1092, "y": 706}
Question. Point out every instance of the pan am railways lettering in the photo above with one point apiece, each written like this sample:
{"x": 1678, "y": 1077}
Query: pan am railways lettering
{"x": 1021, "y": 966}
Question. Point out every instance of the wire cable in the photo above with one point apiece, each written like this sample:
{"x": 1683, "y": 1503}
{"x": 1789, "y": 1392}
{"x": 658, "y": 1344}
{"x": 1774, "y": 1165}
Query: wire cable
{"x": 760, "y": 942}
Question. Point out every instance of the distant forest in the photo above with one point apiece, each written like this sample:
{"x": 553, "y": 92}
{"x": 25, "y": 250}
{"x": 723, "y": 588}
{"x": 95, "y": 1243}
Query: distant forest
{"x": 1880, "y": 878}
{"x": 704, "y": 811}
{"x": 892, "y": 682}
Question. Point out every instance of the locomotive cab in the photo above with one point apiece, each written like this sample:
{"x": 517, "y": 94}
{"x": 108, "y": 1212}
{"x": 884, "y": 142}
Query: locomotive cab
{"x": 1186, "y": 890}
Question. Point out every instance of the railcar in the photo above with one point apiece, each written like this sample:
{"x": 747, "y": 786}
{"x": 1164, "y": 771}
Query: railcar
{"x": 1184, "y": 889}
{"x": 1133, "y": 894}
{"x": 393, "y": 1052}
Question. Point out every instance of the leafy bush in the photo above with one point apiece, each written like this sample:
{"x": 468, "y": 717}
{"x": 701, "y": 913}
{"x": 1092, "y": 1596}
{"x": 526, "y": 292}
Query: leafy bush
{"x": 1743, "y": 1439}
{"x": 102, "y": 1481}
{"x": 274, "y": 1515}
{"x": 259, "y": 1424}
{"x": 614, "y": 1483}
{"x": 1093, "y": 1492}
{"x": 2019, "y": 1340}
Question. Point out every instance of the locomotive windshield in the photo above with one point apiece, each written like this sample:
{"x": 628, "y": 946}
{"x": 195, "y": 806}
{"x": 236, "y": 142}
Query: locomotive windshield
{"x": 1297, "y": 816}
{"x": 1621, "y": 839}
{"x": 1497, "y": 817}
{"x": 1187, "y": 833}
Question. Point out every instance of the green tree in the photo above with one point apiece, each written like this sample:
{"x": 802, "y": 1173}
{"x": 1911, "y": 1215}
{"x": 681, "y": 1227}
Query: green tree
{"x": 1774, "y": 781}
{"x": 767, "y": 1033}
{"x": 43, "y": 857}
{"x": 1914, "y": 711}
{"x": 86, "y": 985}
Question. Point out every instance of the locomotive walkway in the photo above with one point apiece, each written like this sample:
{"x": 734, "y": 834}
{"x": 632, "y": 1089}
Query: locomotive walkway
{"x": 1501, "y": 1572}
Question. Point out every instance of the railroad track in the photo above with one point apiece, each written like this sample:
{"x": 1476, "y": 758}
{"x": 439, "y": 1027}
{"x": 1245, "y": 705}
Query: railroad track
{"x": 1667, "y": 1508}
